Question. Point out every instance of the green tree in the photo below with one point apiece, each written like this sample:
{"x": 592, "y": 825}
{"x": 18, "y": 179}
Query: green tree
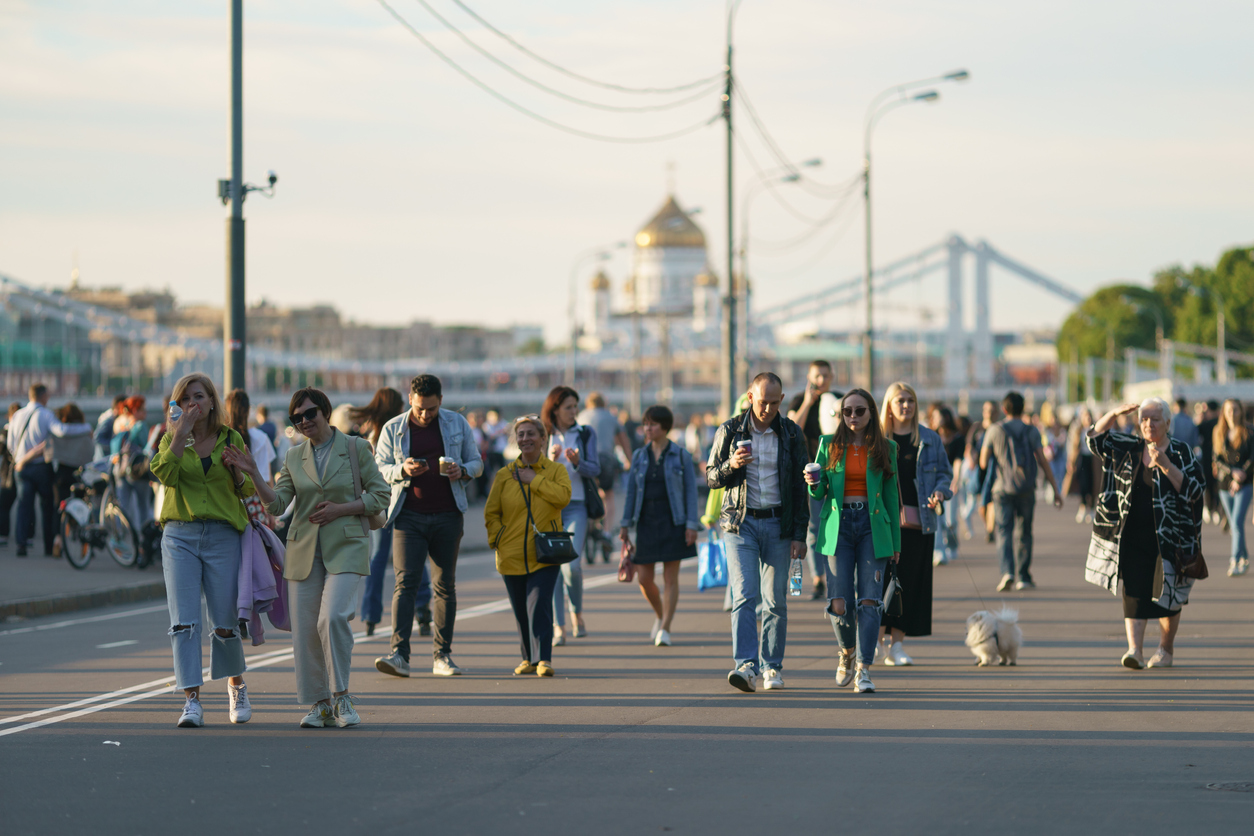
{"x": 1124, "y": 311}
{"x": 1193, "y": 296}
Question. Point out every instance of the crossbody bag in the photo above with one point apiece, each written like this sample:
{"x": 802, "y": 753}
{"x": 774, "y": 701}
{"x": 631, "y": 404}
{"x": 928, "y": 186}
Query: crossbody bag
{"x": 552, "y": 547}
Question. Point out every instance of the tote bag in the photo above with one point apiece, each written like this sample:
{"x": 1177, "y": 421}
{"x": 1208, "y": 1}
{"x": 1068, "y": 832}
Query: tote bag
{"x": 711, "y": 565}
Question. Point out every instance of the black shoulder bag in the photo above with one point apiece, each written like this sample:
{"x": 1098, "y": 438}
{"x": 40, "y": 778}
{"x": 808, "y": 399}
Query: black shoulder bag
{"x": 591, "y": 496}
{"x": 552, "y": 547}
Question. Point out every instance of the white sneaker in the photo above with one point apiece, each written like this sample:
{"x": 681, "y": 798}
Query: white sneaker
{"x": 844, "y": 670}
{"x": 345, "y": 714}
{"x": 443, "y": 665}
{"x": 318, "y": 717}
{"x": 1133, "y": 660}
{"x": 862, "y": 682}
{"x": 662, "y": 639}
{"x": 897, "y": 657}
{"x": 193, "y": 716}
{"x": 1243, "y": 565}
{"x": 1160, "y": 659}
{"x": 1007, "y": 581}
{"x": 241, "y": 709}
{"x": 559, "y": 637}
{"x": 744, "y": 678}
{"x": 773, "y": 680}
{"x": 1079, "y": 515}
{"x": 657, "y": 625}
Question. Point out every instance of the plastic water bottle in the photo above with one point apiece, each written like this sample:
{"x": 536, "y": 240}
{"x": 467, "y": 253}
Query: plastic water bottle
{"x": 794, "y": 578}
{"x": 176, "y": 411}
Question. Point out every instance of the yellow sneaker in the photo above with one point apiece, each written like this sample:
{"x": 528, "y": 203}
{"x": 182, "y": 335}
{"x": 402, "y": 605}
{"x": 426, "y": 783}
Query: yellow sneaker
{"x": 544, "y": 669}
{"x": 525, "y": 668}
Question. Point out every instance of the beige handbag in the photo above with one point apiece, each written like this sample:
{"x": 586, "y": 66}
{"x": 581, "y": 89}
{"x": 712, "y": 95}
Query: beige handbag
{"x": 369, "y": 522}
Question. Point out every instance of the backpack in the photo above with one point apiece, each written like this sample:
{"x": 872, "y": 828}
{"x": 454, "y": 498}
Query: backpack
{"x": 1018, "y": 475}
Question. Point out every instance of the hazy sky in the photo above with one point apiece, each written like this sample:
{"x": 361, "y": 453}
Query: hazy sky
{"x": 1095, "y": 141}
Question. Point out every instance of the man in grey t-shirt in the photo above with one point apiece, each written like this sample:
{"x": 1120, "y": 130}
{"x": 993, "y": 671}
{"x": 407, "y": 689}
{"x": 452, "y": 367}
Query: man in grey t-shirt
{"x": 609, "y": 435}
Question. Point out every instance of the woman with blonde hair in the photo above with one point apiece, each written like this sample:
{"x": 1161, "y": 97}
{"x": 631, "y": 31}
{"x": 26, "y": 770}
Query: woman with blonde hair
{"x": 923, "y": 477}
{"x": 528, "y": 495}
{"x": 203, "y": 518}
{"x": 1233, "y": 464}
{"x": 859, "y": 530}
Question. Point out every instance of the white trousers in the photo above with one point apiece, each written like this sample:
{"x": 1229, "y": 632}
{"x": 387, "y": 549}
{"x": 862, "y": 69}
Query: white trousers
{"x": 322, "y": 606}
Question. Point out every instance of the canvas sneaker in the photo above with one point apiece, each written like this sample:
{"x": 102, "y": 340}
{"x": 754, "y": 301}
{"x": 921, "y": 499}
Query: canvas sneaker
{"x": 773, "y": 680}
{"x": 193, "y": 716}
{"x": 862, "y": 682}
{"x": 443, "y": 665}
{"x": 744, "y": 677}
{"x": 318, "y": 717}
{"x": 241, "y": 709}
{"x": 844, "y": 670}
{"x": 394, "y": 663}
{"x": 345, "y": 714}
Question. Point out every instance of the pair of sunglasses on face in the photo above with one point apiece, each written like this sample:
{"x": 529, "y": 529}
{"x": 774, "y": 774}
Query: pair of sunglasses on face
{"x": 298, "y": 418}
{"x": 853, "y": 411}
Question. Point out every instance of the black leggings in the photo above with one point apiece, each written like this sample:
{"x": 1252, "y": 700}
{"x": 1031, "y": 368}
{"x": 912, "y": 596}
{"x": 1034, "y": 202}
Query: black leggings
{"x": 532, "y": 599}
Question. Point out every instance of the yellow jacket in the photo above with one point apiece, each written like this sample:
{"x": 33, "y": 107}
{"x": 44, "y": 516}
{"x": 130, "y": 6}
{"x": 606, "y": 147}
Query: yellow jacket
{"x": 191, "y": 494}
{"x": 506, "y": 513}
{"x": 345, "y": 543}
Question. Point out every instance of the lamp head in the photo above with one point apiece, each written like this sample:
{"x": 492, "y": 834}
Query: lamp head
{"x": 812, "y": 163}
{"x": 957, "y": 75}
{"x": 927, "y": 96}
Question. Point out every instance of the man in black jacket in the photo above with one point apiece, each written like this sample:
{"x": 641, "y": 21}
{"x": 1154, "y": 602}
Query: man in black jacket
{"x": 760, "y": 459}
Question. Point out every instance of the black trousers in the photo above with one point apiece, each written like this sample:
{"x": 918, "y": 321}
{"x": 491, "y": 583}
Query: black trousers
{"x": 35, "y": 482}
{"x": 415, "y": 537}
{"x": 8, "y": 496}
{"x": 532, "y": 599}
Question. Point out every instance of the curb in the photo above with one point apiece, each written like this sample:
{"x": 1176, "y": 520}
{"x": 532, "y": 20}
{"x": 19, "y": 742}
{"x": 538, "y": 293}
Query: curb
{"x": 90, "y": 599}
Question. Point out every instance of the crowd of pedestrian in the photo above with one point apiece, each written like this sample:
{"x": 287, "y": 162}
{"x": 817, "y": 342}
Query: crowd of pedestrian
{"x": 872, "y": 495}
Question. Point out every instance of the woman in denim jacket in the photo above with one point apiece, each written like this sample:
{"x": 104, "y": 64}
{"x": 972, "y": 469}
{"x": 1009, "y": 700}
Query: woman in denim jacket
{"x": 662, "y": 504}
{"x": 924, "y": 476}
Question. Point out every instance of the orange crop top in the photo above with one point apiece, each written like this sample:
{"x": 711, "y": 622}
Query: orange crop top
{"x": 855, "y": 471}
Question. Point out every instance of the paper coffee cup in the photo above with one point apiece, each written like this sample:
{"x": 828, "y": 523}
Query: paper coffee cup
{"x": 445, "y": 463}
{"x": 813, "y": 467}
{"x": 745, "y": 445}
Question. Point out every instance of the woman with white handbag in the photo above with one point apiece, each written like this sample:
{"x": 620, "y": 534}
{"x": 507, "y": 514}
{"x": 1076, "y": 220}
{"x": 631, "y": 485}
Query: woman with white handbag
{"x": 339, "y": 496}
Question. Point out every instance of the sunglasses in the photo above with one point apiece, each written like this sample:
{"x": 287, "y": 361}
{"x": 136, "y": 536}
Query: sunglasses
{"x": 853, "y": 411}
{"x": 299, "y": 418}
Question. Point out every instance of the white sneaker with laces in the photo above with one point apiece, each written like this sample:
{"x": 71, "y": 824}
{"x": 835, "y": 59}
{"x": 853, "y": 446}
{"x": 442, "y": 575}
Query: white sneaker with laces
{"x": 1160, "y": 659}
{"x": 345, "y": 714}
{"x": 318, "y": 717}
{"x": 443, "y": 665}
{"x": 773, "y": 680}
{"x": 897, "y": 657}
{"x": 744, "y": 677}
{"x": 862, "y": 682}
{"x": 241, "y": 709}
{"x": 1243, "y": 565}
{"x": 844, "y": 670}
{"x": 662, "y": 639}
{"x": 193, "y": 716}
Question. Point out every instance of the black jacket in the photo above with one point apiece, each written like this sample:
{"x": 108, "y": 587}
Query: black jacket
{"x": 793, "y": 456}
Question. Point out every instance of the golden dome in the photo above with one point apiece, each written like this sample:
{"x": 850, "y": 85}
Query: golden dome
{"x": 670, "y": 227}
{"x": 706, "y": 280}
{"x": 600, "y": 281}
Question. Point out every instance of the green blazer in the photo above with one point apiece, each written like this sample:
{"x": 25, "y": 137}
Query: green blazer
{"x": 345, "y": 544}
{"x": 883, "y": 499}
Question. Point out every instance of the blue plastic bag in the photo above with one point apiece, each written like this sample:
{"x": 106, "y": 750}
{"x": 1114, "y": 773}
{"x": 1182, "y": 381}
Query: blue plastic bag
{"x": 711, "y": 565}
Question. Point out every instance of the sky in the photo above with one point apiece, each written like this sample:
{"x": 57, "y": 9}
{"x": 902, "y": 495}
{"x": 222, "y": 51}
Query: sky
{"x": 1094, "y": 142}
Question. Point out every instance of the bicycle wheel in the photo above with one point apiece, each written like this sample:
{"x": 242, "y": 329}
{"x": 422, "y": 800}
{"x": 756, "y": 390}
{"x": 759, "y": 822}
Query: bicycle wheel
{"x": 123, "y": 544}
{"x": 77, "y": 551}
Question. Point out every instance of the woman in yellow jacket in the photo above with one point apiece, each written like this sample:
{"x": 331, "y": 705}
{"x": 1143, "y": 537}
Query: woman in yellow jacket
{"x": 545, "y": 484}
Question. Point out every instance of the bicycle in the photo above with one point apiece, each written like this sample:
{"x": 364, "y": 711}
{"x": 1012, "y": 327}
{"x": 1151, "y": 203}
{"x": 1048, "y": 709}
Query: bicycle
{"x": 91, "y": 519}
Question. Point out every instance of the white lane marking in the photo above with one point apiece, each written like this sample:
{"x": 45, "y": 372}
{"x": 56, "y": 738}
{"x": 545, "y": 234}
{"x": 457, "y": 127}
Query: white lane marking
{"x": 117, "y": 644}
{"x": 263, "y": 660}
{"x": 58, "y": 624}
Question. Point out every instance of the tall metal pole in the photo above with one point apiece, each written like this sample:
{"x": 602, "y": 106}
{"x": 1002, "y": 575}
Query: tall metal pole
{"x": 728, "y": 364}
{"x": 233, "y": 326}
{"x": 868, "y": 352}
{"x": 1221, "y": 349}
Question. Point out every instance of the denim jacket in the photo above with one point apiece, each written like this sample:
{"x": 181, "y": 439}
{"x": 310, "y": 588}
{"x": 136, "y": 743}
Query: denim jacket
{"x": 393, "y": 449}
{"x": 932, "y": 473}
{"x": 681, "y": 486}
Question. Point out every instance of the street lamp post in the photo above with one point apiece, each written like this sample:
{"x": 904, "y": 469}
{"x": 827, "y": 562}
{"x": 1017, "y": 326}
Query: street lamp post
{"x": 727, "y": 370}
{"x": 880, "y": 105}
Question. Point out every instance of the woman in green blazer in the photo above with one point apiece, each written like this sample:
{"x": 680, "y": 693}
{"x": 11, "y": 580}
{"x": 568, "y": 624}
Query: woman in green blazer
{"x": 328, "y": 549}
{"x": 859, "y": 528}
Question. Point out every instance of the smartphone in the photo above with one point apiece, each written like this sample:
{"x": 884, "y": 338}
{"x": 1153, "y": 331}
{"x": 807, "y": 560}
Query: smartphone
{"x": 422, "y": 462}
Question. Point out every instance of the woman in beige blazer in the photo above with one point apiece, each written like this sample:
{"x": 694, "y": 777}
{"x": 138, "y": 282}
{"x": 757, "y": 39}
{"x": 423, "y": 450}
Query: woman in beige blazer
{"x": 328, "y": 549}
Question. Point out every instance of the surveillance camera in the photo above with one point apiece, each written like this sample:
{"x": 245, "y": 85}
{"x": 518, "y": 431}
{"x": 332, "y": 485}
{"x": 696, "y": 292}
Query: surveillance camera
{"x": 274, "y": 178}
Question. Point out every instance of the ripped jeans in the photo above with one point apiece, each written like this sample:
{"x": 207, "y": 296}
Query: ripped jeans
{"x": 854, "y": 568}
{"x": 202, "y": 557}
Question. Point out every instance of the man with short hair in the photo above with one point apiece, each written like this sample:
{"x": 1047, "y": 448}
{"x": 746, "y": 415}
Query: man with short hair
{"x": 759, "y": 458}
{"x": 610, "y": 434}
{"x": 427, "y": 455}
{"x": 1016, "y": 446}
{"x": 104, "y": 427}
{"x": 805, "y": 411}
{"x": 29, "y": 430}
{"x": 265, "y": 424}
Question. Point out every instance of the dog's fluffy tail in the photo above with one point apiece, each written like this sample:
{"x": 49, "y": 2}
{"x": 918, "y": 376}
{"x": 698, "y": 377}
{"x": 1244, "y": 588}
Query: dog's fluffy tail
{"x": 1009, "y": 615}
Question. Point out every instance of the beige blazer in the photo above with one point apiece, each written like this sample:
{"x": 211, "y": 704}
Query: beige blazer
{"x": 345, "y": 543}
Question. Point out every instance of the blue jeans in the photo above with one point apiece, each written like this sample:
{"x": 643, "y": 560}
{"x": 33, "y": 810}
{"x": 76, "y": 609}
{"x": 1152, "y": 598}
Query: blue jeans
{"x": 1014, "y": 519}
{"x": 818, "y": 562}
{"x": 757, "y": 567}
{"x": 855, "y": 575}
{"x": 136, "y": 501}
{"x": 947, "y": 534}
{"x": 202, "y": 558}
{"x": 574, "y": 520}
{"x": 35, "y": 480}
{"x": 1237, "y": 506}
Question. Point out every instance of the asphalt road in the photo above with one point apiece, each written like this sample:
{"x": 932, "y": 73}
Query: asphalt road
{"x": 629, "y": 738}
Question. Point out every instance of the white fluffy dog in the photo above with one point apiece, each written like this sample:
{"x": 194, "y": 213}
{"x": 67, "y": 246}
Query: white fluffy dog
{"x": 994, "y": 638}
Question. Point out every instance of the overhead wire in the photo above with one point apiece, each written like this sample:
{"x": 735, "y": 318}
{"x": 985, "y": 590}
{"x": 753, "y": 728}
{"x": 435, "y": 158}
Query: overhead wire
{"x": 585, "y": 79}
{"x": 531, "y": 113}
{"x": 815, "y": 187}
{"x": 771, "y": 184}
{"x": 788, "y": 244}
{"x": 708, "y": 89}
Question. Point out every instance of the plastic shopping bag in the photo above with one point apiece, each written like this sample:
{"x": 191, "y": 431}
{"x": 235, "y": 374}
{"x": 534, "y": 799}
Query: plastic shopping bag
{"x": 711, "y": 565}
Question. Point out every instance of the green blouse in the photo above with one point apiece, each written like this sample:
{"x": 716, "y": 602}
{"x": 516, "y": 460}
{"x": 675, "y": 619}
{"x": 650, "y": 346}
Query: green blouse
{"x": 191, "y": 494}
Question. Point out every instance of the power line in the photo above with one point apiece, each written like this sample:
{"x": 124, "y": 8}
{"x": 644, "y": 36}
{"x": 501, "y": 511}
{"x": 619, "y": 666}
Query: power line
{"x": 771, "y": 184}
{"x": 709, "y": 88}
{"x": 531, "y": 113}
{"x": 801, "y": 238}
{"x": 816, "y": 188}
{"x": 570, "y": 74}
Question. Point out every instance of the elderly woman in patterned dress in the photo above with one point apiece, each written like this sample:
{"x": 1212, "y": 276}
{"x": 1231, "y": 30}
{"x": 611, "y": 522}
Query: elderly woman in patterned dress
{"x": 1147, "y": 517}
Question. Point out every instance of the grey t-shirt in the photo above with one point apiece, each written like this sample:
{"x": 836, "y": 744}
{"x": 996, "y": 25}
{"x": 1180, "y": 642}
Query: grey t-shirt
{"x": 606, "y": 426}
{"x": 997, "y": 442}
{"x": 322, "y": 453}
